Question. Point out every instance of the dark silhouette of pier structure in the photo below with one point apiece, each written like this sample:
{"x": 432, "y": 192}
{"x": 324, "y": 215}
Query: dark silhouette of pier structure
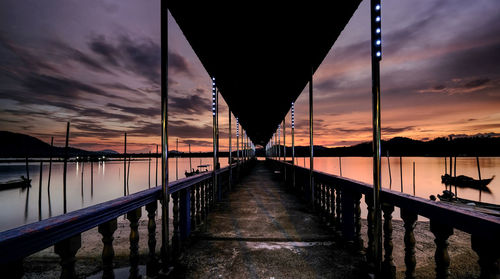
{"x": 260, "y": 56}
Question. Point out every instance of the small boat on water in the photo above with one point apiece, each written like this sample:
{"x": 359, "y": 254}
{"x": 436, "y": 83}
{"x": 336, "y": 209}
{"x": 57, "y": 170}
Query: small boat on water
{"x": 488, "y": 208}
{"x": 466, "y": 181}
{"x": 199, "y": 169}
{"x": 22, "y": 182}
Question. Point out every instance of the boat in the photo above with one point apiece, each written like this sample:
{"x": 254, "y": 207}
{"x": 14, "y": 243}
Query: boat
{"x": 488, "y": 208}
{"x": 199, "y": 169}
{"x": 466, "y": 181}
{"x": 21, "y": 182}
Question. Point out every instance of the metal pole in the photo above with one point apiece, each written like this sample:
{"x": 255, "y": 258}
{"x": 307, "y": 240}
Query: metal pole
{"x": 125, "y": 165}
{"x": 230, "y": 157}
{"x": 237, "y": 141}
{"x": 65, "y": 166}
{"x": 293, "y": 144}
{"x": 164, "y": 134}
{"x": 279, "y": 142}
{"x": 284, "y": 139}
{"x": 376, "y": 53}
{"x": 177, "y": 159}
{"x": 311, "y": 144}
{"x": 214, "y": 134}
{"x": 190, "y": 165}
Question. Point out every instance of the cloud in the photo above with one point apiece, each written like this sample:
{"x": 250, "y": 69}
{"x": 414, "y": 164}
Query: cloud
{"x": 75, "y": 54}
{"x": 191, "y": 104}
{"x": 183, "y": 129}
{"x": 149, "y": 112}
{"x": 476, "y": 83}
{"x": 178, "y": 64}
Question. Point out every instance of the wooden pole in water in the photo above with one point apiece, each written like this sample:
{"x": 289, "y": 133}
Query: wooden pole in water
{"x": 414, "y": 178}
{"x": 40, "y": 188}
{"x": 389, "y": 166}
{"x": 27, "y": 169}
{"x": 50, "y": 162}
{"x": 65, "y": 166}
{"x": 125, "y": 165}
{"x": 445, "y": 166}
{"x": 190, "y": 165}
{"x": 177, "y": 159}
{"x": 401, "y": 171}
{"x": 340, "y": 165}
{"x": 156, "y": 179}
{"x": 91, "y": 179}
{"x": 128, "y": 175}
{"x": 478, "y": 167}
{"x": 149, "y": 170}
{"x": 455, "y": 167}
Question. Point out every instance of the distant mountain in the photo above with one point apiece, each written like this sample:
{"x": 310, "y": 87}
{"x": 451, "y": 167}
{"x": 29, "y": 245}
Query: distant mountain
{"x": 14, "y": 145}
{"x": 107, "y": 151}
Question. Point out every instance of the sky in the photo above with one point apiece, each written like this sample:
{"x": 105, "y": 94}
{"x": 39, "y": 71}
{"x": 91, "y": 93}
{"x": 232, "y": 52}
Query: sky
{"x": 97, "y": 64}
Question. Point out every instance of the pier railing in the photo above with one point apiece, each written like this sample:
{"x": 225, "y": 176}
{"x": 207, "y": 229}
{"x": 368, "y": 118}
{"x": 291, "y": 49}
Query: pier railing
{"x": 191, "y": 198}
{"x": 338, "y": 201}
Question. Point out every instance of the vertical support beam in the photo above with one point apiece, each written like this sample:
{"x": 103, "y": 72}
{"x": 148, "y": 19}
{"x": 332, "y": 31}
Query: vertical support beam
{"x": 237, "y": 141}
{"x": 376, "y": 56}
{"x": 279, "y": 142}
{"x": 311, "y": 144}
{"x": 230, "y": 155}
{"x": 165, "y": 250}
{"x": 214, "y": 132}
{"x": 177, "y": 159}
{"x": 293, "y": 145}
{"x": 125, "y": 165}
{"x": 284, "y": 139}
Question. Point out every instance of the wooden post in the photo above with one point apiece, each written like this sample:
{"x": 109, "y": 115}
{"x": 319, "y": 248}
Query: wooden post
{"x": 125, "y": 166}
{"x": 128, "y": 175}
{"x": 488, "y": 250}
{"x": 65, "y": 168}
{"x": 156, "y": 177}
{"x": 340, "y": 165}
{"x": 40, "y": 192}
{"x": 185, "y": 209}
{"x": 401, "y": 171}
{"x": 50, "y": 162}
{"x": 389, "y": 167}
{"x": 478, "y": 168}
{"x": 27, "y": 169}
{"x": 175, "y": 237}
{"x": 414, "y": 178}
{"x": 91, "y": 178}
{"x": 149, "y": 170}
{"x": 177, "y": 159}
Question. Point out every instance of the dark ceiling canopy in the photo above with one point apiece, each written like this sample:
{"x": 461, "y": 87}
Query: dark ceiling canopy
{"x": 261, "y": 53}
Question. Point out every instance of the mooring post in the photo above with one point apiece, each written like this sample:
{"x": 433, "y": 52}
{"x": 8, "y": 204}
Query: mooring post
{"x": 177, "y": 159}
{"x": 165, "y": 250}
{"x": 50, "y": 163}
{"x": 376, "y": 55}
{"x": 156, "y": 175}
{"x": 65, "y": 168}
{"x": 125, "y": 166}
{"x": 311, "y": 144}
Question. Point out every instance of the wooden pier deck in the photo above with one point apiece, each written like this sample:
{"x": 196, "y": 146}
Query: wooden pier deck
{"x": 261, "y": 231}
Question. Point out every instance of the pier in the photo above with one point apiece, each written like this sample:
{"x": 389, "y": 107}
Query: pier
{"x": 260, "y": 217}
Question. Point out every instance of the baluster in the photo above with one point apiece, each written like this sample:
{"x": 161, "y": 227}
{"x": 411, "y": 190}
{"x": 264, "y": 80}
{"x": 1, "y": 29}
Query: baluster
{"x": 370, "y": 218}
{"x": 410, "y": 220}
{"x": 332, "y": 189}
{"x": 358, "y": 241}
{"x": 203, "y": 200}
{"x": 133, "y": 217}
{"x": 193, "y": 207}
{"x": 67, "y": 249}
{"x": 441, "y": 233}
{"x": 151, "y": 264}
{"x": 338, "y": 212}
{"x": 175, "y": 236}
{"x": 488, "y": 250}
{"x": 323, "y": 201}
{"x": 108, "y": 253}
{"x": 388, "y": 266}
{"x": 327, "y": 204}
{"x": 198, "y": 209}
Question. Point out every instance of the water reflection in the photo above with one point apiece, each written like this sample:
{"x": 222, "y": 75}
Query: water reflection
{"x": 86, "y": 186}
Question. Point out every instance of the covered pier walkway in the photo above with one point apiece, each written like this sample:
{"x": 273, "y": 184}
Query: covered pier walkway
{"x": 261, "y": 230}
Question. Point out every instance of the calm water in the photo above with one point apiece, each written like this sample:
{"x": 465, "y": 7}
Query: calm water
{"x": 19, "y": 207}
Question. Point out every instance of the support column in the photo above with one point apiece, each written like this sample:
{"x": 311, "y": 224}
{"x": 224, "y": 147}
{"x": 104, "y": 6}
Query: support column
{"x": 311, "y": 144}
{"x": 230, "y": 157}
{"x": 165, "y": 250}
{"x": 237, "y": 140}
{"x": 214, "y": 133}
{"x": 376, "y": 56}
{"x": 293, "y": 145}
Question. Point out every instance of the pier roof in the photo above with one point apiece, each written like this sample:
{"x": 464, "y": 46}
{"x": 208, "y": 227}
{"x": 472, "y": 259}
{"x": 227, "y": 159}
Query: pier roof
{"x": 262, "y": 53}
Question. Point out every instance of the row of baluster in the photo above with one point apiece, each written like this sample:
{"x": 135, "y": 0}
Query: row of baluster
{"x": 342, "y": 211}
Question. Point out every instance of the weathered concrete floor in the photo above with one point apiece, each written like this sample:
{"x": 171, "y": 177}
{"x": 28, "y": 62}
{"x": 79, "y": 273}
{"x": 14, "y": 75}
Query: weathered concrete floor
{"x": 261, "y": 231}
